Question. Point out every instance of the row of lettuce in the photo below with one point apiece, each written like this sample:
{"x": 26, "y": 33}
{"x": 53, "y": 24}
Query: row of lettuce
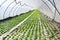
{"x": 7, "y": 24}
{"x": 35, "y": 28}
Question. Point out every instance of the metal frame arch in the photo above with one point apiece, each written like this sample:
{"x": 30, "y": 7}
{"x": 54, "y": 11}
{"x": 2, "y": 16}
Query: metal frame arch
{"x": 23, "y": 5}
{"x": 17, "y": 6}
{"x": 26, "y": 5}
{"x": 7, "y": 8}
{"x": 12, "y": 9}
{"x": 3, "y": 3}
{"x": 15, "y": 9}
{"x": 15, "y": 2}
{"x": 55, "y": 11}
{"x": 54, "y": 6}
{"x": 47, "y": 5}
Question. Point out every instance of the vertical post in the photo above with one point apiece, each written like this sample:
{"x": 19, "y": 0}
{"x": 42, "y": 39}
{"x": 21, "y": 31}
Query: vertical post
{"x": 54, "y": 6}
{"x": 54, "y": 12}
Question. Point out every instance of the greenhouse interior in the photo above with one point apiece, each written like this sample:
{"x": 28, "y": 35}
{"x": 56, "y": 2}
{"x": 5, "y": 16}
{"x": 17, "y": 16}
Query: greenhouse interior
{"x": 29, "y": 19}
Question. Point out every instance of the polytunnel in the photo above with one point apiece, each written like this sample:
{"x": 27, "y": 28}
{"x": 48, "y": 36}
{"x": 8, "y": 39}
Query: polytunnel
{"x": 29, "y": 19}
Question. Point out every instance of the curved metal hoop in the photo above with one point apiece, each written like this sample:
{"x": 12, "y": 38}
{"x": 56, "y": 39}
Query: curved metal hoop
{"x": 7, "y": 8}
{"x": 54, "y": 6}
{"x": 15, "y": 9}
{"x": 3, "y": 3}
{"x": 26, "y": 5}
{"x": 47, "y": 6}
{"x": 12, "y": 9}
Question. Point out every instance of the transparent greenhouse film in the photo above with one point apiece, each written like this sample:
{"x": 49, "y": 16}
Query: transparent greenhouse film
{"x": 48, "y": 8}
{"x": 9, "y": 8}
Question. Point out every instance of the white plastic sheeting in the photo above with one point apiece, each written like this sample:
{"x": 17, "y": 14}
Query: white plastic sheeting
{"x": 48, "y": 9}
{"x": 10, "y": 8}
{"x": 43, "y": 5}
